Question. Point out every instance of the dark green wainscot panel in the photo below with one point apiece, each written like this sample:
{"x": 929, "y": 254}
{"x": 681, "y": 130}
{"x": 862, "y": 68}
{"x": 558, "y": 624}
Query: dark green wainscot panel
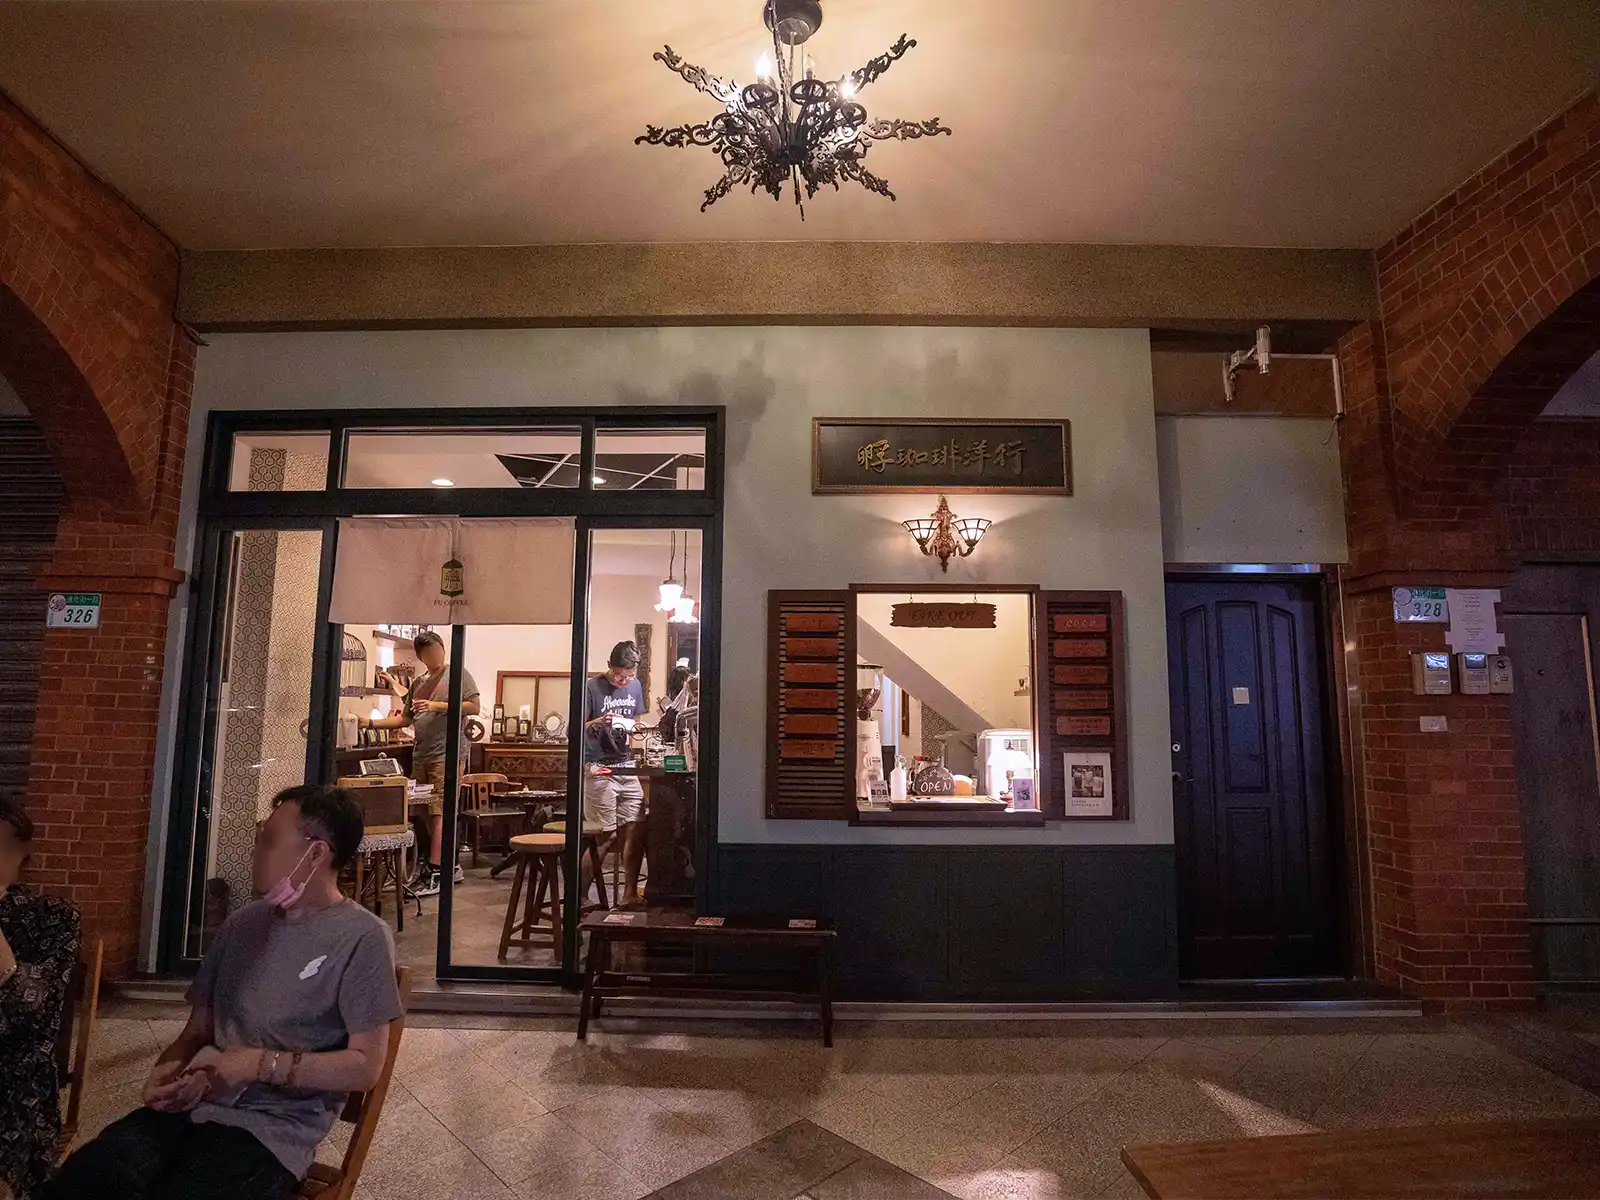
{"x": 978, "y": 924}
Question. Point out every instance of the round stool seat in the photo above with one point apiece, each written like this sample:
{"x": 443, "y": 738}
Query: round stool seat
{"x": 538, "y": 843}
{"x": 590, "y": 828}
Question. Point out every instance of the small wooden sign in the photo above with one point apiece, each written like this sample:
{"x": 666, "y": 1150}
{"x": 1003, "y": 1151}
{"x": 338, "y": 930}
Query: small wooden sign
{"x": 811, "y": 672}
{"x": 942, "y": 616}
{"x": 811, "y": 623}
{"x": 816, "y": 699}
{"x": 1080, "y": 676}
{"x": 1079, "y": 623}
{"x": 811, "y": 647}
{"x": 801, "y": 748}
{"x": 810, "y": 723}
{"x": 1097, "y": 701}
{"x": 1079, "y": 648}
{"x": 1083, "y": 726}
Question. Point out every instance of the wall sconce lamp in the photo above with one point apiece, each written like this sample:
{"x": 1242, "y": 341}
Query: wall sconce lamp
{"x": 946, "y": 535}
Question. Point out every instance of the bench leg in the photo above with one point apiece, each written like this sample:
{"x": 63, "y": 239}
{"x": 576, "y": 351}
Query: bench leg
{"x": 825, "y": 987}
{"x": 589, "y": 973}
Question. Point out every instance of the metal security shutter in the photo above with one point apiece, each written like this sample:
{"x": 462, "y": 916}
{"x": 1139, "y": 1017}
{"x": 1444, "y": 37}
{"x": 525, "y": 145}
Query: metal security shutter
{"x": 31, "y": 498}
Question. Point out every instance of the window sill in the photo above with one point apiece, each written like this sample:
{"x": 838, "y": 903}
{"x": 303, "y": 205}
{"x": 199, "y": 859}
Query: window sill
{"x": 937, "y": 815}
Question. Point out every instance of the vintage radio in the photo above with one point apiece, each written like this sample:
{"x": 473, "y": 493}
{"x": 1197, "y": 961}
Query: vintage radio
{"x": 381, "y": 799}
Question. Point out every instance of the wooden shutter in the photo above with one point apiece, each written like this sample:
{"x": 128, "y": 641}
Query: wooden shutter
{"x": 1082, "y": 690}
{"x": 30, "y": 496}
{"x": 811, "y": 655}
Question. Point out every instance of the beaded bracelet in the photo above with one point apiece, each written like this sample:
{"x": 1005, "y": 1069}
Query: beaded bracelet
{"x": 294, "y": 1069}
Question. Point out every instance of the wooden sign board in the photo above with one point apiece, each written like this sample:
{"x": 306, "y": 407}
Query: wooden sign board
{"x": 942, "y": 616}
{"x": 1095, "y": 727}
{"x": 1079, "y": 676}
{"x": 811, "y": 672}
{"x": 1075, "y": 701}
{"x": 796, "y": 748}
{"x": 811, "y": 623}
{"x": 1079, "y": 648}
{"x": 868, "y": 454}
{"x": 1079, "y": 623}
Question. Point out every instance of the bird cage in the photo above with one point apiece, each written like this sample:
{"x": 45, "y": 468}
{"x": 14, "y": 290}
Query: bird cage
{"x": 352, "y": 666}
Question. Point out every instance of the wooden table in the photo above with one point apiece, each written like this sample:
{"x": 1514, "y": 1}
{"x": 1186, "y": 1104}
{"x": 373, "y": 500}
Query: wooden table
{"x": 675, "y": 925}
{"x": 1507, "y": 1160}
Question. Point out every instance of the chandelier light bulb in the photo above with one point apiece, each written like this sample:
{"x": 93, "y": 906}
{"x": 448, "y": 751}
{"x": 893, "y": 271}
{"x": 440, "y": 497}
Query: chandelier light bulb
{"x": 764, "y": 67}
{"x": 847, "y": 87}
{"x": 671, "y": 593}
{"x": 683, "y": 612}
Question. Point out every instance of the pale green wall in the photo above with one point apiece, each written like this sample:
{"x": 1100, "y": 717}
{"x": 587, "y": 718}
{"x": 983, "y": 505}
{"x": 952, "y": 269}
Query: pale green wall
{"x": 777, "y": 535}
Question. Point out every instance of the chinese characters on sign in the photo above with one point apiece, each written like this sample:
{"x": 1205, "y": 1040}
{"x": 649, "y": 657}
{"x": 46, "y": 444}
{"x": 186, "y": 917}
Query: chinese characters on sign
{"x": 879, "y": 456}
{"x": 852, "y": 454}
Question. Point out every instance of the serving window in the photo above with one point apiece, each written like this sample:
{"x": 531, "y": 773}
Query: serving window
{"x": 996, "y": 706}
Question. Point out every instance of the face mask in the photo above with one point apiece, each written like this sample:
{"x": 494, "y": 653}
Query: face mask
{"x": 285, "y": 892}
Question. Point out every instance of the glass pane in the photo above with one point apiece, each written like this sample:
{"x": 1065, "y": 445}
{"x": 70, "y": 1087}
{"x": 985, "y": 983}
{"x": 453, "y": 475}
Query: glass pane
{"x": 476, "y": 458}
{"x": 514, "y": 782}
{"x": 258, "y": 711}
{"x": 650, "y": 460}
{"x": 278, "y": 462}
{"x": 640, "y": 746}
{"x": 945, "y": 711}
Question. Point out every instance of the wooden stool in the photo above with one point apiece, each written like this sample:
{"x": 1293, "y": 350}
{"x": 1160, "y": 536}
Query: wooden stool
{"x": 386, "y": 854}
{"x": 538, "y": 870}
{"x": 589, "y": 844}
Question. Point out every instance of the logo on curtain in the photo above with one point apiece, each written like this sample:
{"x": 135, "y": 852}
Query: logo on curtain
{"x": 452, "y": 576}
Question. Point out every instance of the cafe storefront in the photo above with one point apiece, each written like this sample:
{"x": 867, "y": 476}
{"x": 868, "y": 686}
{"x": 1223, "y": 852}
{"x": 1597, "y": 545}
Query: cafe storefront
{"x": 927, "y": 636}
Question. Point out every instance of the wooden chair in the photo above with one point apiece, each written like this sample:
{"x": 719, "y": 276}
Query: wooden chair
{"x": 72, "y": 1046}
{"x": 477, "y": 805}
{"x": 363, "y": 1110}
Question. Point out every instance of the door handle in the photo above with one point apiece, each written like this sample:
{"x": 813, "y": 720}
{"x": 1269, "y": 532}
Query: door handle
{"x": 1179, "y": 777}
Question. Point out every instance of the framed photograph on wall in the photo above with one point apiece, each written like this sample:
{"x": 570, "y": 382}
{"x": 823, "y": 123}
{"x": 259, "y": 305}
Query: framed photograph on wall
{"x": 1088, "y": 780}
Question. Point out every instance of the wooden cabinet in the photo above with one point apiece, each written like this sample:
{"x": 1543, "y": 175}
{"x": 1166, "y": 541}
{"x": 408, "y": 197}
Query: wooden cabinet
{"x": 543, "y": 768}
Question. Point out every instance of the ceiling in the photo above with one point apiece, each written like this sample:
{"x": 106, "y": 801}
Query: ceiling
{"x": 455, "y": 122}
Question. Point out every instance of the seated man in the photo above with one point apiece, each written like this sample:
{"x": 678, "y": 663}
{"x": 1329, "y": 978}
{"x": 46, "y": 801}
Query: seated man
{"x": 38, "y": 943}
{"x": 290, "y": 1011}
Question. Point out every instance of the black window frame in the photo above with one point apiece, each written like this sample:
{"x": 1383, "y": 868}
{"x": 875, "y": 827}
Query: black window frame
{"x": 220, "y": 512}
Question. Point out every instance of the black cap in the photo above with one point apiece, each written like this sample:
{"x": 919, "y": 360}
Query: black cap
{"x": 624, "y": 654}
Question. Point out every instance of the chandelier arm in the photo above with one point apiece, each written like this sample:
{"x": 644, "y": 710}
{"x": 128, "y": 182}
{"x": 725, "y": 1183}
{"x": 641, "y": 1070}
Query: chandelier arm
{"x": 874, "y": 69}
{"x": 893, "y": 128}
{"x": 703, "y": 80}
{"x": 852, "y": 169}
{"x": 703, "y": 134}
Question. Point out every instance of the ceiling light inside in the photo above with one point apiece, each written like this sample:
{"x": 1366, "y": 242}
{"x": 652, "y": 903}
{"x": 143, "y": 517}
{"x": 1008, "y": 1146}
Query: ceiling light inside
{"x": 443, "y": 482}
{"x": 597, "y": 478}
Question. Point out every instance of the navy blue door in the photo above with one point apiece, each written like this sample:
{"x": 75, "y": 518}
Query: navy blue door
{"x": 1256, "y": 893}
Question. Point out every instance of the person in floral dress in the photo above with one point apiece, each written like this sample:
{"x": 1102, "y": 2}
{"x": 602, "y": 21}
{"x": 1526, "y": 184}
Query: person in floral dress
{"x": 38, "y": 945}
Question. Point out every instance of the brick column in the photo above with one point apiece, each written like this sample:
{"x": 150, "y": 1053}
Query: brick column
{"x": 94, "y": 745}
{"x": 1444, "y": 828}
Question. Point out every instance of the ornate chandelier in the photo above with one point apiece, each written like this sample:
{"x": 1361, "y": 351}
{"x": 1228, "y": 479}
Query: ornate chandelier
{"x": 789, "y": 127}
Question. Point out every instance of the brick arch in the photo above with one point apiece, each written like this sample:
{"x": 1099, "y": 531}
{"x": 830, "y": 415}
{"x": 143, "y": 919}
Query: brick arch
{"x": 69, "y": 413}
{"x": 1531, "y": 320}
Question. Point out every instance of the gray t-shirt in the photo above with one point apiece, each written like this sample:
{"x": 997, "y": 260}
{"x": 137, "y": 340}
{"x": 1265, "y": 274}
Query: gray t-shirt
{"x": 430, "y": 726}
{"x": 294, "y": 985}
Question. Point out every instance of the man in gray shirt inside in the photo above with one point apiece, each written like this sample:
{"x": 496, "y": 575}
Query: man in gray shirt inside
{"x": 427, "y": 711}
{"x": 290, "y": 1012}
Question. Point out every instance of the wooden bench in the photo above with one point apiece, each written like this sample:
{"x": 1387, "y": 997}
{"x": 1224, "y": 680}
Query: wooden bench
{"x": 1509, "y": 1160}
{"x": 813, "y": 937}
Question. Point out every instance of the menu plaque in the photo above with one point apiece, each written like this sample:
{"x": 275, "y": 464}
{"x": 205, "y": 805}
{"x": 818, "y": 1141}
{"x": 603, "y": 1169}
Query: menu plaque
{"x": 1083, "y": 713}
{"x": 1083, "y": 726}
{"x": 955, "y": 455}
{"x": 1079, "y": 623}
{"x": 1080, "y": 648}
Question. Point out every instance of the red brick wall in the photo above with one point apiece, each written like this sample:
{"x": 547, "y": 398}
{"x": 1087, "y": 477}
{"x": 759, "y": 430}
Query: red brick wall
{"x": 1487, "y": 308}
{"x": 87, "y": 340}
{"x": 1467, "y": 282}
{"x": 1552, "y": 492}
